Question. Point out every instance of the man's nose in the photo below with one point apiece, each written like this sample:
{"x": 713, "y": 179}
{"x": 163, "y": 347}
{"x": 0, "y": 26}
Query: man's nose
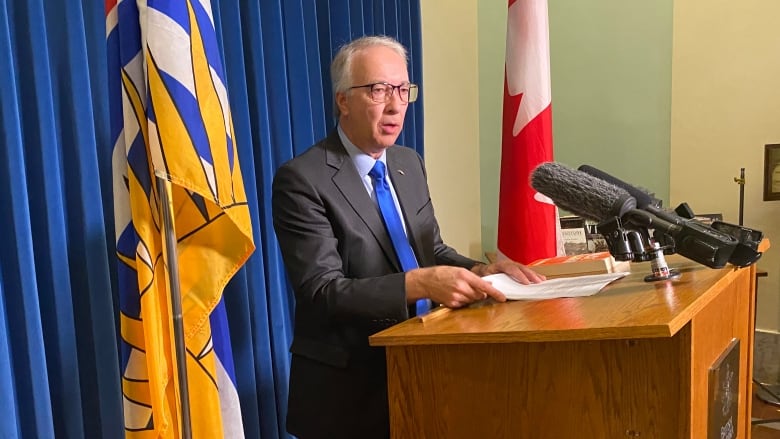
{"x": 394, "y": 104}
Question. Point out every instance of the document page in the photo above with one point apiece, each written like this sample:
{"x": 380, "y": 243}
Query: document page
{"x": 579, "y": 286}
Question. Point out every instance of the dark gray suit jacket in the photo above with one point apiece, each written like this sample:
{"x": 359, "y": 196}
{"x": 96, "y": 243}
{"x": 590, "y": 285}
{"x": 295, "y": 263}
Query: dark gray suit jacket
{"x": 348, "y": 283}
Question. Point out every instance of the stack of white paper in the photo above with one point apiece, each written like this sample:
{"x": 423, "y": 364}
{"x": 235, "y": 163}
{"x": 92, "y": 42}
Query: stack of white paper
{"x": 579, "y": 286}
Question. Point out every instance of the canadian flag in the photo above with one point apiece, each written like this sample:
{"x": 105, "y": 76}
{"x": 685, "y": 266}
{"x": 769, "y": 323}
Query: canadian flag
{"x": 527, "y": 220}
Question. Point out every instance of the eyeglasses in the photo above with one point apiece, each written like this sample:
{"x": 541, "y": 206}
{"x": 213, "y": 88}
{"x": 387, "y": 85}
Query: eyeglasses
{"x": 382, "y": 92}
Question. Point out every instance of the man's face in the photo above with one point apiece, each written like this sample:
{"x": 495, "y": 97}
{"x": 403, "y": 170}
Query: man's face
{"x": 373, "y": 126}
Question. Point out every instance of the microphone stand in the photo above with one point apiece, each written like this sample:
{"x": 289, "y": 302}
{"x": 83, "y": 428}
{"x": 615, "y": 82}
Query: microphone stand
{"x": 660, "y": 269}
{"x": 741, "y": 182}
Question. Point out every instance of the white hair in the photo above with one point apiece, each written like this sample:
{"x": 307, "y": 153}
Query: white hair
{"x": 341, "y": 67}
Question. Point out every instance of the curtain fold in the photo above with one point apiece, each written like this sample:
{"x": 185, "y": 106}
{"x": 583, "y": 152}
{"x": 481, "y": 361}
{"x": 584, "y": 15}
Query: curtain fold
{"x": 9, "y": 129}
{"x": 59, "y": 356}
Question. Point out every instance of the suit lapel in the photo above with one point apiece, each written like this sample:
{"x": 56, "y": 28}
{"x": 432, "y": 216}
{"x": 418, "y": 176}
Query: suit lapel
{"x": 351, "y": 186}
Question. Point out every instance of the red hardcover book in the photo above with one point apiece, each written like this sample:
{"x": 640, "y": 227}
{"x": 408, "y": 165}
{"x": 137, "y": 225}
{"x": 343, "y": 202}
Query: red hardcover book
{"x": 579, "y": 265}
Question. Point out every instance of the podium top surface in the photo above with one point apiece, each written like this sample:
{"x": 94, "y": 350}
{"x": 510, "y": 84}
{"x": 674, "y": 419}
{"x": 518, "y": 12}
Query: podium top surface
{"x": 627, "y": 308}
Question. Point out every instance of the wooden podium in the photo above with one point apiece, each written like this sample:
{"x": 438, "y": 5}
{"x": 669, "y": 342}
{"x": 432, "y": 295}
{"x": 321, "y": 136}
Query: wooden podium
{"x": 633, "y": 361}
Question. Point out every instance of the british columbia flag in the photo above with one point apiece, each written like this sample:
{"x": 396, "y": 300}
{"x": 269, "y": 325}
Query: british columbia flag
{"x": 170, "y": 117}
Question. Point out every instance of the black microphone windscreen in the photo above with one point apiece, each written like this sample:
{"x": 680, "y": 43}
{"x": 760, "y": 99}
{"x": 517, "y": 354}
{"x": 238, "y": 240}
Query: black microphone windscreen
{"x": 643, "y": 199}
{"x": 580, "y": 193}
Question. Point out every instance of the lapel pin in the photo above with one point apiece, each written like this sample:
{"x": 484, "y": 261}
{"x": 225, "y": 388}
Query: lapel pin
{"x": 400, "y": 171}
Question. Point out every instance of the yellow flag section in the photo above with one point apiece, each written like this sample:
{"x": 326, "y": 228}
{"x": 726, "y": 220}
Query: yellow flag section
{"x": 180, "y": 127}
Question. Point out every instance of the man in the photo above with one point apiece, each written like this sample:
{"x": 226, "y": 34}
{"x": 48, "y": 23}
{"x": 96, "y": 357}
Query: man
{"x": 348, "y": 279}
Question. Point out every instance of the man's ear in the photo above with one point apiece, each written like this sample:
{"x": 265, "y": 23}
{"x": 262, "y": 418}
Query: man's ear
{"x": 341, "y": 103}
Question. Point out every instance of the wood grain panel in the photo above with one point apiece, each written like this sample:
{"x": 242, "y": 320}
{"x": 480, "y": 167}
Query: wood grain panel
{"x": 595, "y": 389}
{"x": 731, "y": 316}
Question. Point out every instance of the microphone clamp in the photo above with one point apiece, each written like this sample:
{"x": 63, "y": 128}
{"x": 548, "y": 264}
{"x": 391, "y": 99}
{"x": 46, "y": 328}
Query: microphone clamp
{"x": 629, "y": 238}
{"x": 633, "y": 242}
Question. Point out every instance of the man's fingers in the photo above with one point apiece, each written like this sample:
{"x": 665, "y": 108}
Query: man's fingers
{"x": 457, "y": 300}
{"x": 488, "y": 290}
{"x": 533, "y": 276}
{"x": 525, "y": 275}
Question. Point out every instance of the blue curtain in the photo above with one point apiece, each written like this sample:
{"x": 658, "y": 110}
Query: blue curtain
{"x": 59, "y": 360}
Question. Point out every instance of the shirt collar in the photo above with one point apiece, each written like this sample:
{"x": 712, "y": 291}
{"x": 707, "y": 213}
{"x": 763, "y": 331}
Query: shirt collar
{"x": 363, "y": 162}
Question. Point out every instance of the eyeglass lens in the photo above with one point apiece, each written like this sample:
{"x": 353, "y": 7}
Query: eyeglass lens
{"x": 383, "y": 92}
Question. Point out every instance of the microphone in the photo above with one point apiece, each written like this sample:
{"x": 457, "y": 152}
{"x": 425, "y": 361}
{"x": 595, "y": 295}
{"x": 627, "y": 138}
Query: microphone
{"x": 595, "y": 199}
{"x": 696, "y": 241}
{"x": 643, "y": 199}
{"x": 580, "y": 193}
{"x": 614, "y": 206}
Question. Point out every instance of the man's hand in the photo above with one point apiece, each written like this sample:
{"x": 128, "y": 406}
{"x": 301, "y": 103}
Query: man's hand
{"x": 518, "y": 272}
{"x": 453, "y": 287}
{"x": 456, "y": 287}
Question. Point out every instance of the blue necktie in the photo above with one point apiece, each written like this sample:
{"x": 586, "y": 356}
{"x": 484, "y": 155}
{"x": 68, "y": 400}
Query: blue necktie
{"x": 395, "y": 227}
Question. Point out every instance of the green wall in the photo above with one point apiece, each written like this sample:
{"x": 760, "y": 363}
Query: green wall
{"x": 491, "y": 25}
{"x": 611, "y": 92}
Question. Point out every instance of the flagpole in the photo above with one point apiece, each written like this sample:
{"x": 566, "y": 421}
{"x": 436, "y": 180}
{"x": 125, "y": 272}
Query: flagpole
{"x": 169, "y": 249}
